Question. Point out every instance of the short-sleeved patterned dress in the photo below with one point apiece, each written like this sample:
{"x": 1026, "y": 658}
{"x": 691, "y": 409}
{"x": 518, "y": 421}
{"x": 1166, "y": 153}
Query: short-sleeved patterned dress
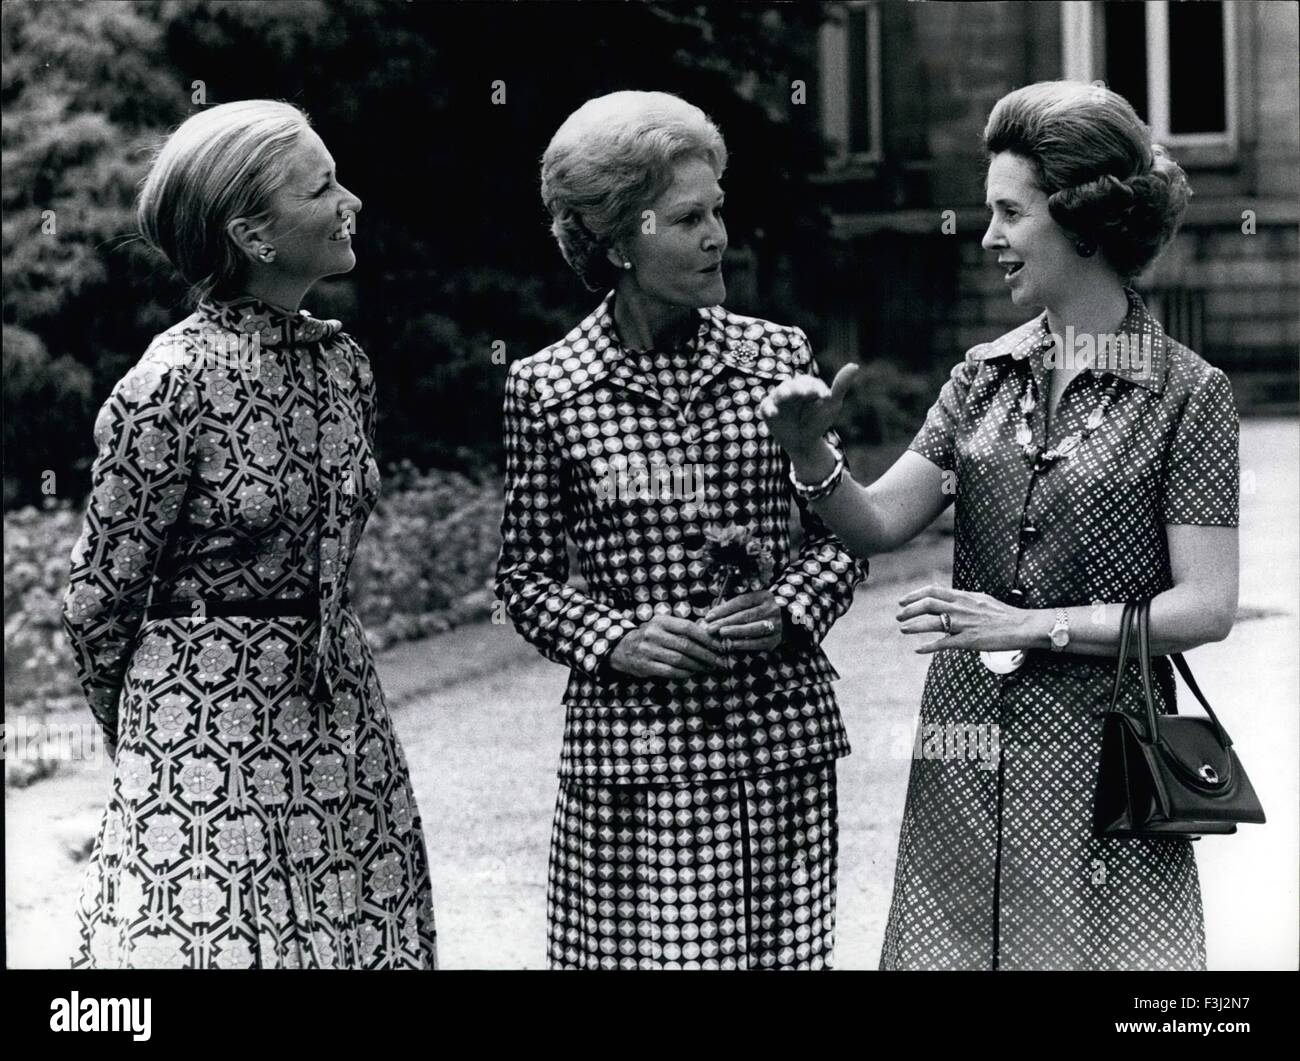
{"x": 999, "y": 868}
{"x": 261, "y": 813}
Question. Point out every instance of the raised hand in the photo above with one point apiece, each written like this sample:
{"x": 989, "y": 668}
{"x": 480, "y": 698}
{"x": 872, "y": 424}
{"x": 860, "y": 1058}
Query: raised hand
{"x": 800, "y": 410}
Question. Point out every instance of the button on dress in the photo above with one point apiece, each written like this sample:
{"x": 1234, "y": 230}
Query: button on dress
{"x": 261, "y": 811}
{"x": 997, "y": 863}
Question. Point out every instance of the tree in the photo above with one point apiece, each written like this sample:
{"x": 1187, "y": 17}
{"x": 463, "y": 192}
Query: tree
{"x": 438, "y": 116}
{"x": 81, "y": 95}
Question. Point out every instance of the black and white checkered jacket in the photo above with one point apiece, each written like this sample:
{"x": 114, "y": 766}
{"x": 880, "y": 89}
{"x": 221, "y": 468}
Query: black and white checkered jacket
{"x": 601, "y": 453}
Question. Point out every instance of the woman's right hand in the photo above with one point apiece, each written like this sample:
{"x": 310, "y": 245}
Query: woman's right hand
{"x": 667, "y": 647}
{"x": 801, "y": 409}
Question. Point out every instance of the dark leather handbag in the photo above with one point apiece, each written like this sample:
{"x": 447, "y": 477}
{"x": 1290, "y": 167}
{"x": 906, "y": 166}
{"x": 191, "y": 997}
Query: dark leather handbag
{"x": 1175, "y": 776}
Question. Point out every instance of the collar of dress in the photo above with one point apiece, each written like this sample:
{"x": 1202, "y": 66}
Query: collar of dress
{"x": 1139, "y": 353}
{"x": 592, "y": 353}
{"x": 272, "y": 325}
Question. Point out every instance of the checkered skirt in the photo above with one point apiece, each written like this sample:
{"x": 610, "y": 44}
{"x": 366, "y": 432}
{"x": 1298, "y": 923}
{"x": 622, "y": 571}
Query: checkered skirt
{"x": 732, "y": 874}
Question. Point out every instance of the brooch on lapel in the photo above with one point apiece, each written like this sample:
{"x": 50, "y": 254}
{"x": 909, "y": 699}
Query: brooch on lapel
{"x": 743, "y": 354}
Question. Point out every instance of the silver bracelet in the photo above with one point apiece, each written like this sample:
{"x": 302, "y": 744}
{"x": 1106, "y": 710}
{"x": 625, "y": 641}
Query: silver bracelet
{"x": 817, "y": 491}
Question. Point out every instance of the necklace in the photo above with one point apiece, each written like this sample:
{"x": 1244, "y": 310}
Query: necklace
{"x": 1006, "y": 661}
{"x": 1067, "y": 445}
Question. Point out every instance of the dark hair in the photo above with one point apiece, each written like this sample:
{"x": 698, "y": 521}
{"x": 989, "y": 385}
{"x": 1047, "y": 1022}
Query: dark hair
{"x": 1105, "y": 181}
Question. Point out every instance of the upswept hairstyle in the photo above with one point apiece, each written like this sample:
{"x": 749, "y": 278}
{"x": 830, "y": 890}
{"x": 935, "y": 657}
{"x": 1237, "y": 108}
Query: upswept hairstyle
{"x": 612, "y": 157}
{"x": 222, "y": 163}
{"x": 1106, "y": 182}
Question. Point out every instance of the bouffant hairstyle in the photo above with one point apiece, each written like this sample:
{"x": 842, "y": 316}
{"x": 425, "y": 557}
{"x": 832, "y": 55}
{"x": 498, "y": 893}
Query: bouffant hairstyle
{"x": 612, "y": 157}
{"x": 222, "y": 163}
{"x": 1106, "y": 183}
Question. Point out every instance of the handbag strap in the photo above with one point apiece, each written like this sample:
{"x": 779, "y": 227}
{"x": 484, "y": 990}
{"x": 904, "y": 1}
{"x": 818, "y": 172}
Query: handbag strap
{"x": 1143, "y": 620}
{"x": 1125, "y": 643}
{"x": 1144, "y": 661}
{"x": 1186, "y": 672}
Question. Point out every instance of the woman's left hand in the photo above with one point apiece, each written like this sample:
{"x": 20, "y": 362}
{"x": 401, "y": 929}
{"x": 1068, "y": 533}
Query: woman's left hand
{"x": 752, "y": 622}
{"x": 976, "y": 621}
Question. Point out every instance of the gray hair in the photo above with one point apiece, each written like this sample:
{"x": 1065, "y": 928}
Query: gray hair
{"x": 222, "y": 163}
{"x": 612, "y": 157}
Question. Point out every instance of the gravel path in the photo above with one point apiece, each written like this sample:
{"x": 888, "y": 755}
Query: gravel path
{"x": 478, "y": 711}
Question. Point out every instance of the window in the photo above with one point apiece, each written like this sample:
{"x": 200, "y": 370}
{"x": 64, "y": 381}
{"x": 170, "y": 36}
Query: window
{"x": 1197, "y": 101}
{"x": 1175, "y": 62}
{"x": 850, "y": 96}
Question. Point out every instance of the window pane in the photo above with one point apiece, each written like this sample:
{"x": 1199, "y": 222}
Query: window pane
{"x": 1126, "y": 53}
{"x": 1197, "y": 102}
{"x": 859, "y": 103}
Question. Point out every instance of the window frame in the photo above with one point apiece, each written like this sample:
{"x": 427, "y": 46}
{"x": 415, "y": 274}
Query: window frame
{"x": 1082, "y": 55}
{"x": 833, "y": 46}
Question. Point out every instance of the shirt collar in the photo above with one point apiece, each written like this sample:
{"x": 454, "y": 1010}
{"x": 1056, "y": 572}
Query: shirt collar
{"x": 592, "y": 352}
{"x": 1138, "y": 353}
{"x": 601, "y": 320}
{"x": 721, "y": 340}
{"x": 273, "y": 325}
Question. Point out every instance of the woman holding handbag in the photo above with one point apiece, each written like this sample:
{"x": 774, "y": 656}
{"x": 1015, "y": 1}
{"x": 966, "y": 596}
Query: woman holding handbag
{"x": 1093, "y": 461}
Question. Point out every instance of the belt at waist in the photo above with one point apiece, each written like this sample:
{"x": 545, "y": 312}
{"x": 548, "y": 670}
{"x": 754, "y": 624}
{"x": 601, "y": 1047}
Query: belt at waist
{"x": 307, "y": 607}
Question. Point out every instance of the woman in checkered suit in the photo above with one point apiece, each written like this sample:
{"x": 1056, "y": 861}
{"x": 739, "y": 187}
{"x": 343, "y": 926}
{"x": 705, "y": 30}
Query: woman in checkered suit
{"x": 696, "y": 818}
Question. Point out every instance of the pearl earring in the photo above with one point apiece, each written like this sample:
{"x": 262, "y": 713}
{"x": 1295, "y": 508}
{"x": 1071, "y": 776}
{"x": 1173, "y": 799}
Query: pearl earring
{"x": 267, "y": 254}
{"x": 627, "y": 265}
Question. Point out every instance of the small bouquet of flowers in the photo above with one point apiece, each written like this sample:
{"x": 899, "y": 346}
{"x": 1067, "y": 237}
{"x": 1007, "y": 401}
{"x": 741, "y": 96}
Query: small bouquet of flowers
{"x": 737, "y": 561}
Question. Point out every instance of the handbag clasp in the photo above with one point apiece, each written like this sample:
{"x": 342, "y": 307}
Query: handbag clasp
{"x": 1208, "y": 774}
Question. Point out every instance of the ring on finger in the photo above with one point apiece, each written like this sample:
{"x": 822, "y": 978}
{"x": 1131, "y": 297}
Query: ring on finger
{"x": 945, "y": 620}
{"x": 769, "y": 627}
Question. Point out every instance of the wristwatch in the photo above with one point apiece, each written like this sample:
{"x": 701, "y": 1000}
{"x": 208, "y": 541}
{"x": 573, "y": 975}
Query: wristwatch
{"x": 1060, "y": 632}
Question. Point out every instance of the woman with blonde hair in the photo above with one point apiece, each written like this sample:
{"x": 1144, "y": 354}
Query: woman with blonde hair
{"x": 1093, "y": 462}
{"x": 261, "y": 812}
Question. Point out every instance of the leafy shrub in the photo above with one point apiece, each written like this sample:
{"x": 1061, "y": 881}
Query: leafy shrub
{"x": 888, "y": 404}
{"x": 43, "y": 398}
{"x": 428, "y": 554}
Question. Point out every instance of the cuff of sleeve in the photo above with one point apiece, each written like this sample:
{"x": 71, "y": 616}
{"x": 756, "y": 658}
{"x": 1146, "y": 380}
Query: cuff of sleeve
{"x": 594, "y": 658}
{"x": 803, "y": 617}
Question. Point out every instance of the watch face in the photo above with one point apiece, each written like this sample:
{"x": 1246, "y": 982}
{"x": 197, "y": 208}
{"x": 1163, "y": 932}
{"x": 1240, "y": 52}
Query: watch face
{"x": 1060, "y": 638}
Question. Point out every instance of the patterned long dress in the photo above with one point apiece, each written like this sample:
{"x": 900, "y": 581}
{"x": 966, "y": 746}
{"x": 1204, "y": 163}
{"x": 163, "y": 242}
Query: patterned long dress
{"x": 261, "y": 813}
{"x": 998, "y": 868}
